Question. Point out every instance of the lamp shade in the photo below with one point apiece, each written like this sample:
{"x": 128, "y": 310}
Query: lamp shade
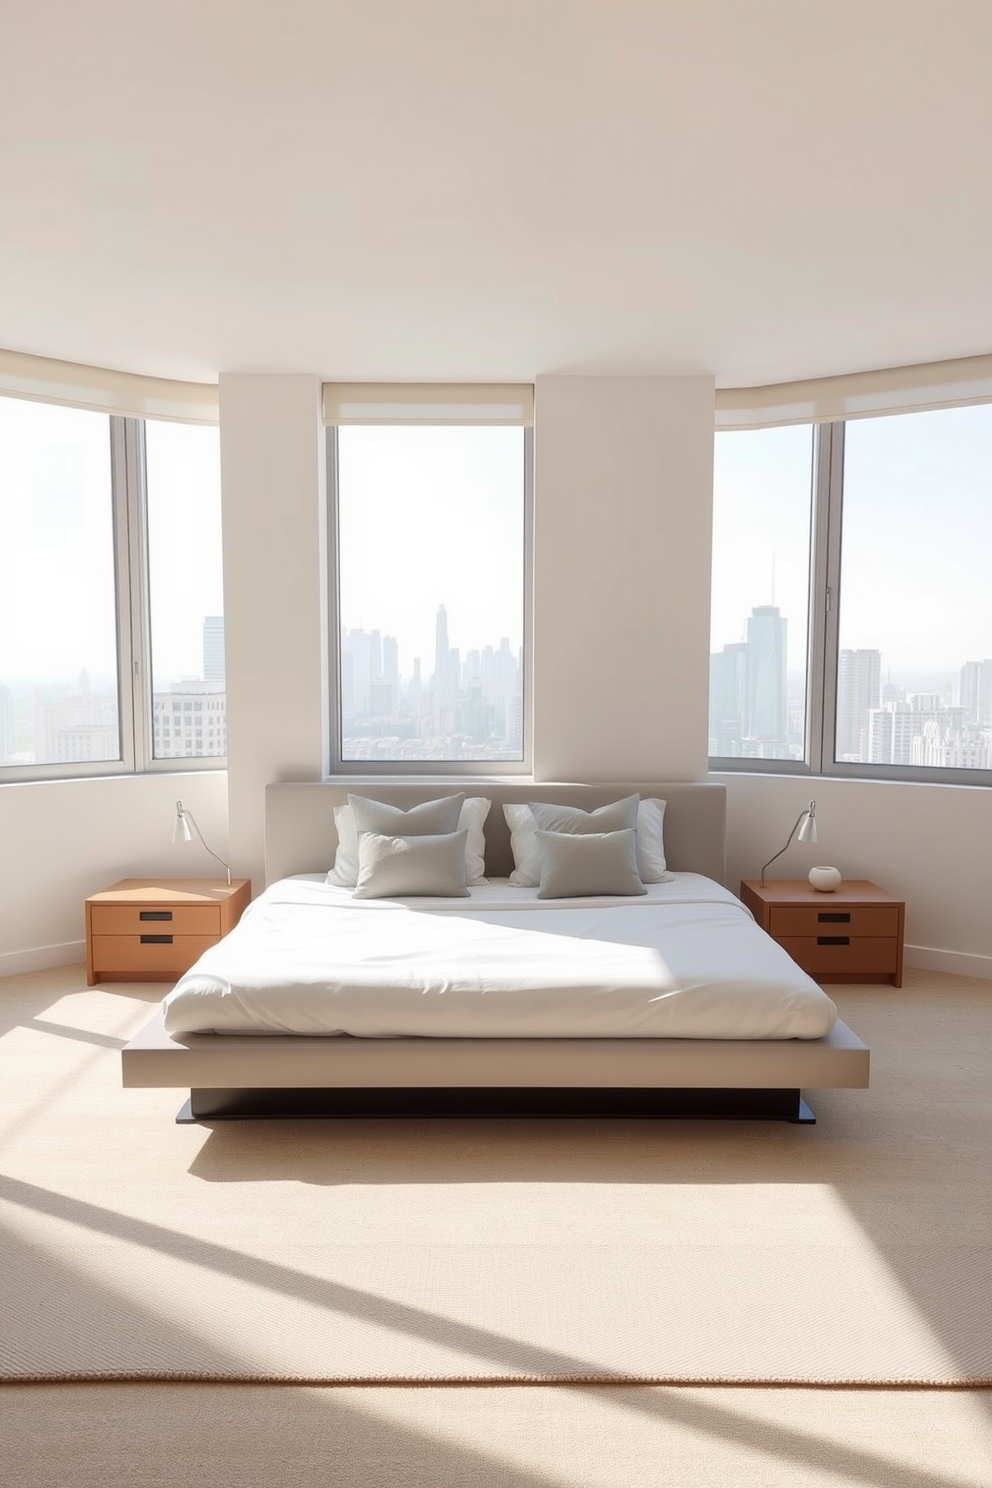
{"x": 181, "y": 829}
{"x": 808, "y": 832}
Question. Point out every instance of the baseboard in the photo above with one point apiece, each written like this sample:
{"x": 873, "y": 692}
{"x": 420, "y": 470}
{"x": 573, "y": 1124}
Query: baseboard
{"x": 958, "y": 963}
{"x": 12, "y": 963}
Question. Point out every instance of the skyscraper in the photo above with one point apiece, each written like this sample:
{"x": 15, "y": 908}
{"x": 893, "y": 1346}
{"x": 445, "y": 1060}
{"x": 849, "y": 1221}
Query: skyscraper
{"x": 213, "y": 648}
{"x": 975, "y": 691}
{"x": 727, "y": 674}
{"x": 445, "y": 684}
{"x": 764, "y": 679}
{"x": 859, "y": 685}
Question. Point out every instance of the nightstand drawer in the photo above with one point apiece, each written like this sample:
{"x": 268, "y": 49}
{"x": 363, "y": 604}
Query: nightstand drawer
{"x": 155, "y": 919}
{"x": 850, "y": 919}
{"x": 851, "y": 955}
{"x": 154, "y": 955}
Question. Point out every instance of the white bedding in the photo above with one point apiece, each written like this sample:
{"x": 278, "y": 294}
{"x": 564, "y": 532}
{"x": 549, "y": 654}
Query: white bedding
{"x": 686, "y": 960}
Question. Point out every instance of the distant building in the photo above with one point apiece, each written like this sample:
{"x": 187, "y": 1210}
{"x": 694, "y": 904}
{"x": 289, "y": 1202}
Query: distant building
{"x": 859, "y": 683}
{"x": 213, "y": 648}
{"x": 190, "y": 721}
{"x": 727, "y": 673}
{"x": 77, "y": 728}
{"x": 890, "y": 734}
{"x": 975, "y": 691}
{"x": 765, "y": 680}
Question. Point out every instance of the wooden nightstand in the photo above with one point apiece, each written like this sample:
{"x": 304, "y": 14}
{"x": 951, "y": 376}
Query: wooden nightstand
{"x": 153, "y": 929}
{"x": 852, "y": 935}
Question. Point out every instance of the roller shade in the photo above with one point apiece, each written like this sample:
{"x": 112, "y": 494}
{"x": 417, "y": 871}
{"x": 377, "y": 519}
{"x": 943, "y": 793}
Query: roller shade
{"x": 428, "y": 403}
{"x": 46, "y": 380}
{"x": 822, "y": 400}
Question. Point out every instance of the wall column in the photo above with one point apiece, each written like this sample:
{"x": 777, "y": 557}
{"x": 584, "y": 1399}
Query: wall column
{"x": 272, "y": 481}
{"x": 623, "y": 495}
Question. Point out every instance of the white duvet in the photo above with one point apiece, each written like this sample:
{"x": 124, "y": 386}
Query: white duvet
{"x": 686, "y": 960}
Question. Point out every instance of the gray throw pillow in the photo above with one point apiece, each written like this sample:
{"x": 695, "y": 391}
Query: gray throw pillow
{"x": 612, "y": 818}
{"x": 401, "y": 867}
{"x": 573, "y": 864}
{"x": 427, "y": 819}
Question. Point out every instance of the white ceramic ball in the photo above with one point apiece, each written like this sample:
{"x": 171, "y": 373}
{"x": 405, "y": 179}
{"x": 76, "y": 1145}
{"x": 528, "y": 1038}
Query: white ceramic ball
{"x": 825, "y": 879}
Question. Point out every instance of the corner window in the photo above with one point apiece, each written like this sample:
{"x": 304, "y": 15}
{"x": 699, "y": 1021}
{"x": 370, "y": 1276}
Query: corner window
{"x": 898, "y": 654}
{"x": 88, "y": 530}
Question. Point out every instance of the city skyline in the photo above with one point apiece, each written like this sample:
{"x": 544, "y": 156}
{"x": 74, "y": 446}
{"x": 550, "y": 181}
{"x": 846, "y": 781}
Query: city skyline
{"x": 76, "y": 720}
{"x": 757, "y": 707}
{"x": 464, "y": 706}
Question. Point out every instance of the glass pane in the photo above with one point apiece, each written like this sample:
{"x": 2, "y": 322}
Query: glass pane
{"x": 762, "y": 505}
{"x": 914, "y": 680}
{"x": 58, "y": 609}
{"x": 189, "y": 718}
{"x": 431, "y": 592}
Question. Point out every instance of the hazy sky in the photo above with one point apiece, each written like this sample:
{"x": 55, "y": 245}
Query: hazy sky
{"x": 916, "y": 582}
{"x": 184, "y": 543}
{"x": 57, "y": 608}
{"x": 431, "y": 516}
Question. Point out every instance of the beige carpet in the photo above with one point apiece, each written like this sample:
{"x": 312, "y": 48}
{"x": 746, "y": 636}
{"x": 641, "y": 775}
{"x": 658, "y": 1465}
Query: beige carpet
{"x": 857, "y": 1251}
{"x": 267, "y": 1436}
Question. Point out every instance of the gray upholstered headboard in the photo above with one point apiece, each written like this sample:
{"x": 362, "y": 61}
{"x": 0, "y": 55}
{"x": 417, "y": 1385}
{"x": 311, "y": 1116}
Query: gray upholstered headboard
{"x": 300, "y": 835}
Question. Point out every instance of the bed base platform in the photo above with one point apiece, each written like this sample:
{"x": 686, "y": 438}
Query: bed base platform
{"x": 534, "y": 1104}
{"x": 250, "y": 1076}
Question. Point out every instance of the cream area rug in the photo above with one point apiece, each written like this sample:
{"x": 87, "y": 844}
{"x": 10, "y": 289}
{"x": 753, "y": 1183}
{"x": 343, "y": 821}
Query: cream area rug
{"x": 858, "y": 1251}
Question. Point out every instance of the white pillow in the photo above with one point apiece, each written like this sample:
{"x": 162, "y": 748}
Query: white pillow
{"x": 398, "y": 867}
{"x": 527, "y": 859}
{"x": 471, "y": 819}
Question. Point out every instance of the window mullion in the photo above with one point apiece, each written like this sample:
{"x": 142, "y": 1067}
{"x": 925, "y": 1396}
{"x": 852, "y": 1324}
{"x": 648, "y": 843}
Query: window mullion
{"x": 136, "y": 677}
{"x": 122, "y": 577}
{"x": 817, "y": 595}
{"x": 830, "y": 611}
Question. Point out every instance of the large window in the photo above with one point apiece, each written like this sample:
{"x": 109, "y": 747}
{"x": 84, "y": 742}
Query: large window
{"x": 430, "y": 559}
{"x": 898, "y": 661}
{"x": 109, "y": 560}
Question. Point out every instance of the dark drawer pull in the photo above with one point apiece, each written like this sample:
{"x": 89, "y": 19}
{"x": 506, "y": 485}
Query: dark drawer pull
{"x": 156, "y": 939}
{"x": 835, "y": 919}
{"x": 820, "y": 939}
{"x": 155, "y": 914}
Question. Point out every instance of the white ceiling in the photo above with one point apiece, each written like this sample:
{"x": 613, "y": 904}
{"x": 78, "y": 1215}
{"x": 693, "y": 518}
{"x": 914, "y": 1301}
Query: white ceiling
{"x": 463, "y": 189}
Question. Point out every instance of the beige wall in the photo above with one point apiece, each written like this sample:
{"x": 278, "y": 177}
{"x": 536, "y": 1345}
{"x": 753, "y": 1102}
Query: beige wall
{"x": 63, "y": 839}
{"x": 928, "y": 844}
{"x": 623, "y": 471}
{"x": 272, "y": 480}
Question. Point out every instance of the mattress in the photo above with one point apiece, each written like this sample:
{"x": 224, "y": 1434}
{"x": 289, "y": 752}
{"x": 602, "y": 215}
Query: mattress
{"x": 685, "y": 960}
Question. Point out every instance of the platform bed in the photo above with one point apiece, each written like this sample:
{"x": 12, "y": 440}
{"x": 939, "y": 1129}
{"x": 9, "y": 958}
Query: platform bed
{"x": 234, "y": 1076}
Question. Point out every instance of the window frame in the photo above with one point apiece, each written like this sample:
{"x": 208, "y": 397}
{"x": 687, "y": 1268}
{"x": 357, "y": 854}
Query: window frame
{"x": 439, "y": 769}
{"x": 135, "y": 690}
{"x": 823, "y": 654}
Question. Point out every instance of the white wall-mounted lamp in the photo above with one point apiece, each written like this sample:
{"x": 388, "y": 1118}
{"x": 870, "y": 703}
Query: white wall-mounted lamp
{"x": 186, "y": 830}
{"x": 805, "y": 830}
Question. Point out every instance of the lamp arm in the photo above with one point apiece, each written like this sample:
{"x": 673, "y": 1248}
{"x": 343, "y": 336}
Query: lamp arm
{"x": 189, "y": 815}
{"x": 781, "y": 850}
